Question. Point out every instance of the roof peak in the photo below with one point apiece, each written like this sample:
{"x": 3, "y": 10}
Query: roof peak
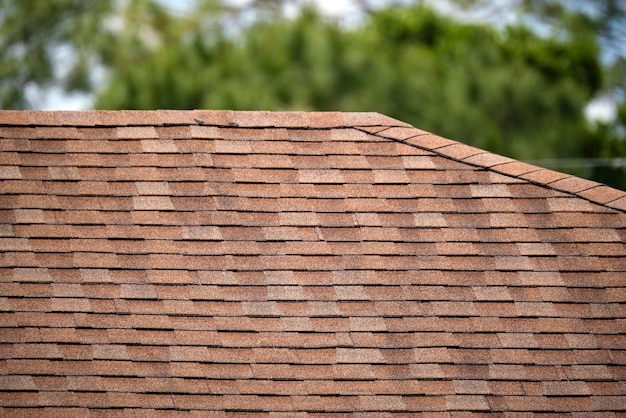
{"x": 369, "y": 122}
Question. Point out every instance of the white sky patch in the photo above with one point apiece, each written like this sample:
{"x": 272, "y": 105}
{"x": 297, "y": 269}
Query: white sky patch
{"x": 55, "y": 98}
{"x": 601, "y": 109}
{"x": 337, "y": 8}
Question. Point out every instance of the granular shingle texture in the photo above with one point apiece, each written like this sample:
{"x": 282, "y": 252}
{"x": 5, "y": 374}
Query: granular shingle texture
{"x": 299, "y": 264}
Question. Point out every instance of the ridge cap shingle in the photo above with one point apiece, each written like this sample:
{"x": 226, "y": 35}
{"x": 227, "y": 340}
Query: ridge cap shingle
{"x": 591, "y": 191}
{"x": 218, "y": 118}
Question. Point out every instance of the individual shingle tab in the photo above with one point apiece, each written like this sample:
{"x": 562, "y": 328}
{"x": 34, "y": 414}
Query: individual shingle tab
{"x": 290, "y": 119}
{"x": 136, "y": 132}
{"x": 487, "y": 159}
{"x": 214, "y": 117}
{"x": 43, "y": 118}
{"x": 204, "y": 131}
{"x": 325, "y": 119}
{"x": 296, "y": 263}
{"x": 574, "y": 185}
{"x": 152, "y": 203}
{"x": 8, "y": 172}
{"x": 320, "y": 176}
{"x": 14, "y": 118}
{"x": 460, "y": 151}
{"x": 601, "y": 194}
{"x": 176, "y": 117}
{"x": 515, "y": 168}
{"x": 619, "y": 203}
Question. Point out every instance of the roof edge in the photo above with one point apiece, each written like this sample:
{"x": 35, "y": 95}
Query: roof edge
{"x": 591, "y": 191}
{"x": 229, "y": 118}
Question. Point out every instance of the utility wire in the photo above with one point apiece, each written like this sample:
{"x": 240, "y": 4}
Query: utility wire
{"x": 619, "y": 162}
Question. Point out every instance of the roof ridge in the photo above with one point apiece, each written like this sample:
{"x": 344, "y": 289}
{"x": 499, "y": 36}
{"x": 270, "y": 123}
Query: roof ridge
{"x": 591, "y": 191}
{"x": 217, "y": 118}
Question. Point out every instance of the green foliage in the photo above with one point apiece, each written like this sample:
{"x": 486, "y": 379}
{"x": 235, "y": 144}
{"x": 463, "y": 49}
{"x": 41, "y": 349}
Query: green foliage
{"x": 577, "y": 58}
{"x": 37, "y": 36}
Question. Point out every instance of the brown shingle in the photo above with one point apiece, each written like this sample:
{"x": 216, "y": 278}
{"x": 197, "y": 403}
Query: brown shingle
{"x": 400, "y": 133}
{"x": 213, "y": 260}
{"x": 14, "y": 117}
{"x": 459, "y": 151}
{"x": 619, "y": 203}
{"x": 487, "y": 159}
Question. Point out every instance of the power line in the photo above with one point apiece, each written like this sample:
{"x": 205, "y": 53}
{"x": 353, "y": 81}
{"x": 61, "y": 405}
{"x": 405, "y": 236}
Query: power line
{"x": 619, "y": 162}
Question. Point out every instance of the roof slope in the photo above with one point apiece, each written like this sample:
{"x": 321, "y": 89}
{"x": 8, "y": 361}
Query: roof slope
{"x": 316, "y": 263}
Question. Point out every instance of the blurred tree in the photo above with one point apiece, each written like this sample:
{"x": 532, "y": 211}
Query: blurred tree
{"x": 48, "y": 43}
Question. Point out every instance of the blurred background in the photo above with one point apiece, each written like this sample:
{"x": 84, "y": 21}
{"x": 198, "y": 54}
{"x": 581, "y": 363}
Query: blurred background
{"x": 542, "y": 81}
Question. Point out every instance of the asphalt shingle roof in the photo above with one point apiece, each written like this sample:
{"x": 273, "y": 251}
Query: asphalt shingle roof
{"x": 155, "y": 262}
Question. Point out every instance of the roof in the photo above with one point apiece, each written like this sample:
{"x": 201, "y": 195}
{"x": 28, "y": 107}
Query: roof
{"x": 299, "y": 263}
